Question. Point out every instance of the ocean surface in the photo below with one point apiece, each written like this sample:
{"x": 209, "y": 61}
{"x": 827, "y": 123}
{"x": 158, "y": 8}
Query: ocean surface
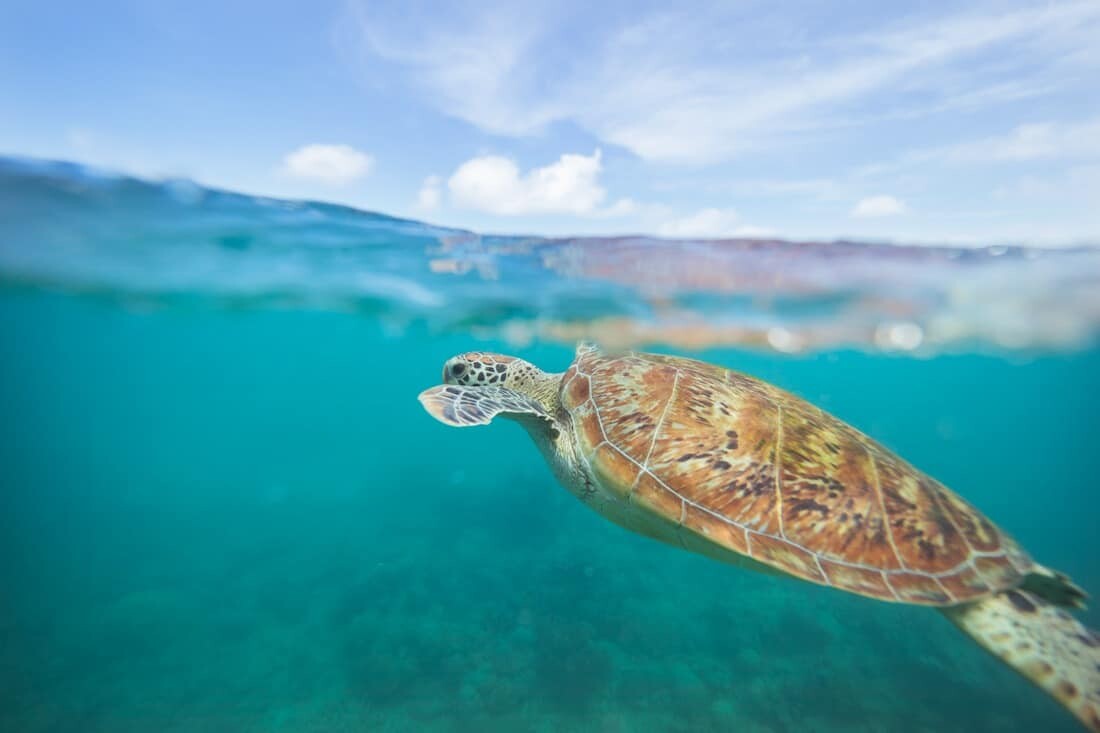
{"x": 223, "y": 509}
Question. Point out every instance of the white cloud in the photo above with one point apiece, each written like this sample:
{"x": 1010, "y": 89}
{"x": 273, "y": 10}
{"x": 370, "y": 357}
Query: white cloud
{"x": 878, "y": 206}
{"x": 1077, "y": 185}
{"x": 710, "y": 223}
{"x": 429, "y": 196}
{"x": 332, "y": 164}
{"x": 753, "y": 231}
{"x": 1033, "y": 141}
{"x": 1028, "y": 144}
{"x": 622, "y": 207}
{"x": 476, "y": 74}
{"x": 703, "y": 223}
{"x": 494, "y": 184}
{"x": 713, "y": 84}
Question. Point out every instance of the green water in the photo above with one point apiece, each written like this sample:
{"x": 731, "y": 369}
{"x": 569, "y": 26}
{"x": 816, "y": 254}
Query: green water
{"x": 223, "y": 520}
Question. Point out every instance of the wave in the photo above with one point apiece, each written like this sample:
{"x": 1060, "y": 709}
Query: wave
{"x": 171, "y": 243}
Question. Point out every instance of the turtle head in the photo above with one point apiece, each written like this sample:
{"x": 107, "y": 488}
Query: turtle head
{"x": 484, "y": 369}
{"x": 480, "y": 368}
{"x": 478, "y": 385}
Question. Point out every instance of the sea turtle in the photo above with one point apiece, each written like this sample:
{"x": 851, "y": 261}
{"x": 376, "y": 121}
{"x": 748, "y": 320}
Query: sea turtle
{"x": 731, "y": 467}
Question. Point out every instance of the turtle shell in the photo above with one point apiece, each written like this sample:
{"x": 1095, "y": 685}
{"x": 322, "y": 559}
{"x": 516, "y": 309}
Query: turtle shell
{"x": 734, "y": 464}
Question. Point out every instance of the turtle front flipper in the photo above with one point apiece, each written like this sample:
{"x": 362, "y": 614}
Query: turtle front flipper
{"x": 1043, "y": 643}
{"x": 462, "y": 406}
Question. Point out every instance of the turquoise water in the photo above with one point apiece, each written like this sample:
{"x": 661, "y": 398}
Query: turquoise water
{"x": 222, "y": 509}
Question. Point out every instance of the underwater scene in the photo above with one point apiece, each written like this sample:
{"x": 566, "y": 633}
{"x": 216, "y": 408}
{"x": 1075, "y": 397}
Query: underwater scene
{"x": 223, "y": 509}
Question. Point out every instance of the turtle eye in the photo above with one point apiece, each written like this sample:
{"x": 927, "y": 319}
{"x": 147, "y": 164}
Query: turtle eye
{"x": 457, "y": 370}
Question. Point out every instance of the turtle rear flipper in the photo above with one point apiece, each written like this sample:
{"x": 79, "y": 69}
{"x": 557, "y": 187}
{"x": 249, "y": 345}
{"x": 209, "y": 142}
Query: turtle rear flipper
{"x": 462, "y": 406}
{"x": 1043, "y": 643}
{"x": 1054, "y": 587}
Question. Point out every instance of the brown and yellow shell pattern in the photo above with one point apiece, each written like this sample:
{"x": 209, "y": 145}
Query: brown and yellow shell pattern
{"x": 747, "y": 467}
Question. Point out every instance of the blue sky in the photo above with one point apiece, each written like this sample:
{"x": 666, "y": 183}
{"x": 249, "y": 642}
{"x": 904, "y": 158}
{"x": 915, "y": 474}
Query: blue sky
{"x": 932, "y": 122}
